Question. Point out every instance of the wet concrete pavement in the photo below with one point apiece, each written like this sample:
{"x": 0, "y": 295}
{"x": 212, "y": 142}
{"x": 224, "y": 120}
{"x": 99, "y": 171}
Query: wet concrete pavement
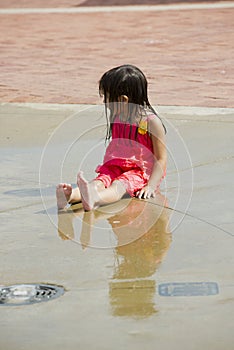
{"x": 113, "y": 297}
{"x": 118, "y": 264}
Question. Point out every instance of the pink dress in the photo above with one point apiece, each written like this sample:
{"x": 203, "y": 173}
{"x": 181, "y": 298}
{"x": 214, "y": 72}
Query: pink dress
{"x": 129, "y": 156}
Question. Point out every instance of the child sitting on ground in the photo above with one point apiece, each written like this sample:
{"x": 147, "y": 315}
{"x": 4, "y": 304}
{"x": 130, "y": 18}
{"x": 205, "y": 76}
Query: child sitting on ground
{"x": 135, "y": 159}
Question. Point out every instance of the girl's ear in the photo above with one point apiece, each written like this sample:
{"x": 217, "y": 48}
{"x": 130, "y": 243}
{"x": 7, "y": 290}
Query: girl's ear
{"x": 123, "y": 98}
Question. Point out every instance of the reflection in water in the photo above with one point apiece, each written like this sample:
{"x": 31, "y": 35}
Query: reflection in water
{"x": 142, "y": 240}
{"x": 131, "y": 290}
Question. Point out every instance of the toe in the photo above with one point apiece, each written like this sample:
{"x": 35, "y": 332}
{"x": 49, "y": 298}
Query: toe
{"x": 59, "y": 186}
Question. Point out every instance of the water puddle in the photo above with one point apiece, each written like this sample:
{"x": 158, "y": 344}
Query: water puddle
{"x": 139, "y": 235}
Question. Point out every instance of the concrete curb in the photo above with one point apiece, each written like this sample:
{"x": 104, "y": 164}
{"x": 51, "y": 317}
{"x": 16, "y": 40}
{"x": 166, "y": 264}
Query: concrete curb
{"x": 182, "y": 111}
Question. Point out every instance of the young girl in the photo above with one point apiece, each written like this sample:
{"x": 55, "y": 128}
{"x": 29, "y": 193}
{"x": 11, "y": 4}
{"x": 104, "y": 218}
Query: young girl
{"x": 135, "y": 159}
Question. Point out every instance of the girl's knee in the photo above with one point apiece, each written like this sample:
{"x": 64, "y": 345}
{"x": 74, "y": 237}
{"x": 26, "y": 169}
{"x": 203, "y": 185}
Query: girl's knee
{"x": 119, "y": 187}
{"x": 100, "y": 185}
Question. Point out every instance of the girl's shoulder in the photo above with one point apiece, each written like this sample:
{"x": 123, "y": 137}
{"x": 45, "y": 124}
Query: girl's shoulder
{"x": 155, "y": 123}
{"x": 144, "y": 125}
{"x": 146, "y": 118}
{"x": 151, "y": 116}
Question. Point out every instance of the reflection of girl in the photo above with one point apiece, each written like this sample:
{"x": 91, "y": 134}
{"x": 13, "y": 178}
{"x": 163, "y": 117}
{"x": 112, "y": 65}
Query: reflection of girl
{"x": 145, "y": 229}
{"x": 131, "y": 291}
{"x": 135, "y": 159}
{"x": 142, "y": 242}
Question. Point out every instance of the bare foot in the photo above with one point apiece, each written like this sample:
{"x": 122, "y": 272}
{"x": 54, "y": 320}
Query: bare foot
{"x": 63, "y": 194}
{"x": 89, "y": 194}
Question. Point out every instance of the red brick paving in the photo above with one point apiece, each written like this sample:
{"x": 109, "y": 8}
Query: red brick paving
{"x": 74, "y": 3}
{"x": 39, "y": 3}
{"x": 140, "y": 2}
{"x": 188, "y": 56}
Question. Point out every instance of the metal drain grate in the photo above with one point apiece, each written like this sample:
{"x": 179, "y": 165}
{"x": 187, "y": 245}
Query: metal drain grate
{"x": 188, "y": 289}
{"x": 24, "y": 294}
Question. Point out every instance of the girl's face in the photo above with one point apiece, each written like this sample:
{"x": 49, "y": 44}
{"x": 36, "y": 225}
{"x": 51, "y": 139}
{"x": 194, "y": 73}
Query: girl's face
{"x": 110, "y": 105}
{"x": 117, "y": 107}
{"x": 106, "y": 101}
{"x": 102, "y": 95}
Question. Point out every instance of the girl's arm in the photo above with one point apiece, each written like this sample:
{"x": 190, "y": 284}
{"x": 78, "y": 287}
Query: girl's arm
{"x": 160, "y": 153}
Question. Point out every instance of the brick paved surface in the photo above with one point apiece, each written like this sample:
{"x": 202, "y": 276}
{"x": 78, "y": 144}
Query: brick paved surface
{"x": 188, "y": 55}
{"x": 39, "y": 3}
{"x": 73, "y": 3}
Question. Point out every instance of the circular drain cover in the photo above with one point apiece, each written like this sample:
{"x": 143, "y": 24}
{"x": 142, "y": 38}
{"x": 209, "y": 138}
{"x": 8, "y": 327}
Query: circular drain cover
{"x": 24, "y": 294}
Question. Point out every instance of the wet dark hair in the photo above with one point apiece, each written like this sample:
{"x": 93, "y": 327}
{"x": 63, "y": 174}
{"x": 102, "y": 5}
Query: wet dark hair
{"x": 124, "y": 80}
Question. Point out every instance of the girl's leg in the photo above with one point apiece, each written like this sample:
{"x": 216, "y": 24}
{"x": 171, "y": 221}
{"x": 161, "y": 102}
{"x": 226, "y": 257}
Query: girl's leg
{"x": 94, "y": 196}
{"x": 65, "y": 194}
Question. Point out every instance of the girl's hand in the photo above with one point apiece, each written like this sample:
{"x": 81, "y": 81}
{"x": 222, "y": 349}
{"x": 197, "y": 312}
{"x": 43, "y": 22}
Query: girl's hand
{"x": 146, "y": 192}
